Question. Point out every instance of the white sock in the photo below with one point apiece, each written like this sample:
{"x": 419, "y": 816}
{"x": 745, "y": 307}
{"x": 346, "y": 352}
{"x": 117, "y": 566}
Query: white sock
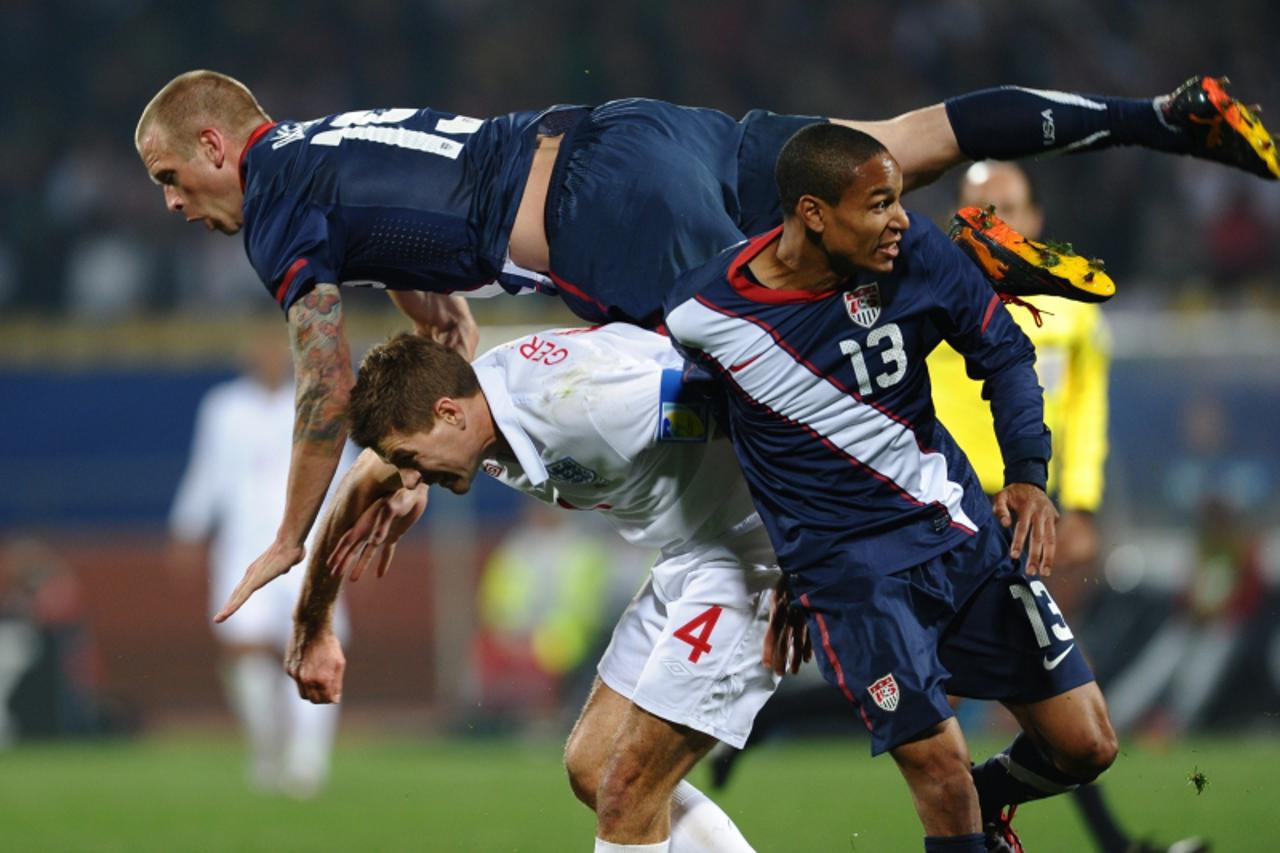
{"x": 309, "y": 730}
{"x": 603, "y": 846}
{"x": 252, "y": 683}
{"x": 698, "y": 825}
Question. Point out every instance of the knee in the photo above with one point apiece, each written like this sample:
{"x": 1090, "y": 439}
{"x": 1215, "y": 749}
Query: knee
{"x": 1089, "y": 754}
{"x": 938, "y": 773}
{"x": 619, "y": 789}
{"x": 583, "y": 769}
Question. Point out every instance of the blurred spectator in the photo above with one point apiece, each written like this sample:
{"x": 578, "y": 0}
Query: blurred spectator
{"x": 543, "y": 606}
{"x": 1217, "y": 489}
{"x": 224, "y": 513}
{"x": 1171, "y": 681}
{"x": 50, "y": 677}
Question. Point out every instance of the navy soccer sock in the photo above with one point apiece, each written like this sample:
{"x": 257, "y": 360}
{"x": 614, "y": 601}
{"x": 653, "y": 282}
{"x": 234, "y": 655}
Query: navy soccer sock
{"x": 1012, "y": 122}
{"x": 974, "y": 843}
{"x": 1017, "y": 775}
{"x": 1106, "y": 831}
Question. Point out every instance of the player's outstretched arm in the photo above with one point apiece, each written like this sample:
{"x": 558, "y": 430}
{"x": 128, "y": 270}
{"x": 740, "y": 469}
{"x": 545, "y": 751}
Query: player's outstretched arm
{"x": 314, "y": 658}
{"x": 388, "y": 510}
{"x": 443, "y": 318}
{"x": 322, "y": 368}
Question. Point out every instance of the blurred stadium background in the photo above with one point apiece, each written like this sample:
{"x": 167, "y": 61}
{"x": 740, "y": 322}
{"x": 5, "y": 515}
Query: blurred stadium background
{"x": 115, "y": 319}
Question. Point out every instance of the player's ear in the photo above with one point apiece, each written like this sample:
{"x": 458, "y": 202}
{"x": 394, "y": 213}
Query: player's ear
{"x": 449, "y": 411}
{"x": 213, "y": 145}
{"x": 811, "y": 212}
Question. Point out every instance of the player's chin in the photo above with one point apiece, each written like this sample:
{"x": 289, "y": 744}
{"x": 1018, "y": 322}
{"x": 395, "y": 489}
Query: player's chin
{"x": 458, "y": 485}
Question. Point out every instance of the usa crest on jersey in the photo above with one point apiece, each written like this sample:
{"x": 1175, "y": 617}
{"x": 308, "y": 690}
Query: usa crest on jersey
{"x": 863, "y": 304}
{"x": 885, "y": 692}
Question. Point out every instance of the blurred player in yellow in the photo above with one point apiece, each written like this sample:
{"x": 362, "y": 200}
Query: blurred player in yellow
{"x": 1072, "y": 360}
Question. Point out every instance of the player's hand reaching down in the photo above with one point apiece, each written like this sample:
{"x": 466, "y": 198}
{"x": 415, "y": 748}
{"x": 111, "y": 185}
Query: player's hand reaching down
{"x": 1036, "y": 527}
{"x": 371, "y": 541}
{"x": 274, "y": 562}
{"x": 786, "y": 643}
{"x": 315, "y": 661}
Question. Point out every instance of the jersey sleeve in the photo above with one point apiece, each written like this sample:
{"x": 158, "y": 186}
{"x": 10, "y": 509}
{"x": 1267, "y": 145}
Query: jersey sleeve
{"x": 1082, "y": 448}
{"x": 293, "y": 249}
{"x": 996, "y": 353}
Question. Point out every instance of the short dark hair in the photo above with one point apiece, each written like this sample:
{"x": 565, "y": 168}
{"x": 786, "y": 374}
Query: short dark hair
{"x": 398, "y": 386}
{"x": 820, "y": 160}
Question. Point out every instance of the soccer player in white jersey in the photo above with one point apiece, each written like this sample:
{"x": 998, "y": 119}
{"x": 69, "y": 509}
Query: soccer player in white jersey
{"x": 585, "y": 419}
{"x": 233, "y": 488}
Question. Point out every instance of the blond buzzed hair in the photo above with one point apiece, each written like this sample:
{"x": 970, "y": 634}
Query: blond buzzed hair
{"x": 195, "y": 99}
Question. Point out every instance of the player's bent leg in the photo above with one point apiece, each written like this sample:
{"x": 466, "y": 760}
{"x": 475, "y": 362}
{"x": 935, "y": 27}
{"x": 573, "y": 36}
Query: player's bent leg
{"x": 936, "y": 769}
{"x": 591, "y": 741}
{"x": 649, "y": 757}
{"x": 1072, "y": 730}
{"x": 1067, "y": 740}
{"x": 922, "y": 142}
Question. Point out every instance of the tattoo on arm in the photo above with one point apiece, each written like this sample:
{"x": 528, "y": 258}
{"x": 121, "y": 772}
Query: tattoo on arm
{"x": 322, "y": 363}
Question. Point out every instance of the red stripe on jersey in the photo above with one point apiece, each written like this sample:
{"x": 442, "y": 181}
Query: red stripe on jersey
{"x": 991, "y": 309}
{"x": 283, "y": 290}
{"x": 800, "y": 359}
{"x": 258, "y": 132}
{"x": 577, "y": 292}
{"x": 749, "y": 289}
{"x": 835, "y": 662}
{"x": 839, "y": 451}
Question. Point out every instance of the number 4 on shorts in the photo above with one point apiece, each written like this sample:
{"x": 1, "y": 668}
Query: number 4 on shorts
{"x": 704, "y": 623}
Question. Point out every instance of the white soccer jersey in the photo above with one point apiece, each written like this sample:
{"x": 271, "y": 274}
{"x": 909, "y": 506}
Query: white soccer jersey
{"x": 581, "y": 410}
{"x": 234, "y": 491}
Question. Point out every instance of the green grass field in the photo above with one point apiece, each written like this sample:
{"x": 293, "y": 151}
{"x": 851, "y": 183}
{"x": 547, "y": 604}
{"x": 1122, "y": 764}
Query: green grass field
{"x": 187, "y": 794}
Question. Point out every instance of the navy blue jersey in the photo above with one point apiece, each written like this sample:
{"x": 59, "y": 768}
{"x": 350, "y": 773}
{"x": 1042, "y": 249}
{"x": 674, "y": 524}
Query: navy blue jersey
{"x": 409, "y": 199}
{"x": 830, "y": 403}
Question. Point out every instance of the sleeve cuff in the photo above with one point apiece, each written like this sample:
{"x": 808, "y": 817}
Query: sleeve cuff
{"x": 1033, "y": 471}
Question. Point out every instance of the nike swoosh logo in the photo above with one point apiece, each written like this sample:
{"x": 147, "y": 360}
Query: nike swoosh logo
{"x": 1052, "y": 663}
{"x": 734, "y": 368}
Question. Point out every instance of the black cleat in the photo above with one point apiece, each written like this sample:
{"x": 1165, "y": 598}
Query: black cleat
{"x": 1219, "y": 127}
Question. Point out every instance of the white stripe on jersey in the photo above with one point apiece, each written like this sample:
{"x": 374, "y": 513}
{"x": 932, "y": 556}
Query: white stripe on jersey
{"x": 771, "y": 376}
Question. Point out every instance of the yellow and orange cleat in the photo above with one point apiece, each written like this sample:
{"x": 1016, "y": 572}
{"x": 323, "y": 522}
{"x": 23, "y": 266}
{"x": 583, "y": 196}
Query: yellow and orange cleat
{"x": 1019, "y": 267}
{"x": 1219, "y": 127}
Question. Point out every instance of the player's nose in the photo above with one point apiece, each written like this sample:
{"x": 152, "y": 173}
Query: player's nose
{"x": 172, "y": 200}
{"x": 900, "y": 219}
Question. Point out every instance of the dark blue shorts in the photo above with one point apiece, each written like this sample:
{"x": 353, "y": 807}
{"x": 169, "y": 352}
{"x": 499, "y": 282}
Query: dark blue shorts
{"x": 968, "y": 623}
{"x": 644, "y": 190}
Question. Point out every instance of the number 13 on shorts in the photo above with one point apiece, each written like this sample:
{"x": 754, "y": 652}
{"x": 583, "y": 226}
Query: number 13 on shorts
{"x": 704, "y": 623}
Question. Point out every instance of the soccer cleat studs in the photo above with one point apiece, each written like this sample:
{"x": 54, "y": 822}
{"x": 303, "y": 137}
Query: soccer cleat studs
{"x": 1019, "y": 267}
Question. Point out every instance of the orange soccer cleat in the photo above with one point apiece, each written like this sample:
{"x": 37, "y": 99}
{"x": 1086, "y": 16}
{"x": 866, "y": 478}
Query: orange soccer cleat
{"x": 1219, "y": 127}
{"x": 1020, "y": 267}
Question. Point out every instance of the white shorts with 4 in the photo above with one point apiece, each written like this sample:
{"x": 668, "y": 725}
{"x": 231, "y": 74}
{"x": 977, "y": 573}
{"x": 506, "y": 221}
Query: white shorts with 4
{"x": 688, "y": 646}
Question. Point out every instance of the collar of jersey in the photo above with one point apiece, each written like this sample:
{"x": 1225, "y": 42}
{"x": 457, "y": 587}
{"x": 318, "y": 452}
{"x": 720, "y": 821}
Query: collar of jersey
{"x": 507, "y": 419}
{"x": 258, "y": 132}
{"x": 749, "y": 289}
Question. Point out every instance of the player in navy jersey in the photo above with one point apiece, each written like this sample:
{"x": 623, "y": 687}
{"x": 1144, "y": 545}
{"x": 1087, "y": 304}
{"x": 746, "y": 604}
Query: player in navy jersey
{"x": 603, "y": 206}
{"x": 819, "y": 330}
